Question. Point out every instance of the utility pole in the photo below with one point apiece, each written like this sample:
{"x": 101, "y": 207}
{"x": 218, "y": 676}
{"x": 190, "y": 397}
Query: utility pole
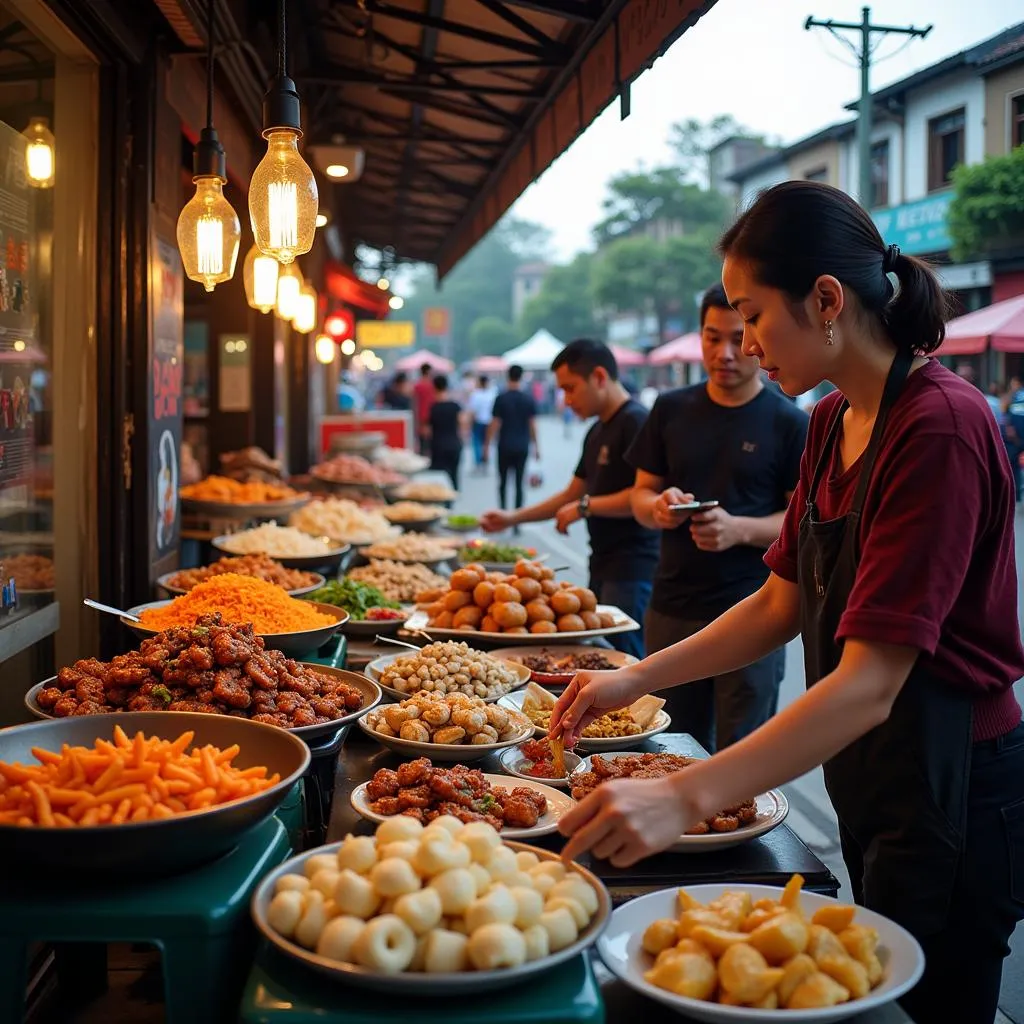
{"x": 864, "y": 54}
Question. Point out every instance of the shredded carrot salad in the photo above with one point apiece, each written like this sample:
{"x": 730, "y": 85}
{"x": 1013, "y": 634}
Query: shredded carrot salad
{"x": 135, "y": 779}
{"x": 240, "y": 599}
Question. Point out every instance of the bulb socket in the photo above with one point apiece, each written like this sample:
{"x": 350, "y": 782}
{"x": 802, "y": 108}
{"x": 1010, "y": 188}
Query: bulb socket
{"x": 281, "y": 107}
{"x": 208, "y": 159}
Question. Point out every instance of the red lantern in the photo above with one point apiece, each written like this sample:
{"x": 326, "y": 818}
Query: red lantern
{"x": 340, "y": 324}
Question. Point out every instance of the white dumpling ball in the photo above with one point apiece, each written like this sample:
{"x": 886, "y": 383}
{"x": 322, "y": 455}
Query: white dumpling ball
{"x": 405, "y": 849}
{"x": 496, "y": 907}
{"x": 481, "y": 878}
{"x": 456, "y": 888}
{"x": 358, "y": 853}
{"x": 325, "y": 880}
{"x": 481, "y": 838}
{"x": 526, "y": 859}
{"x": 561, "y": 928}
{"x": 319, "y": 862}
{"x": 398, "y": 829}
{"x": 579, "y": 915}
{"x": 574, "y": 887}
{"x": 554, "y": 869}
{"x": 313, "y": 921}
{"x": 355, "y": 895}
{"x": 501, "y": 864}
{"x": 338, "y": 937}
{"x": 297, "y": 882}
{"x": 445, "y": 952}
{"x": 496, "y": 945}
{"x": 285, "y": 911}
{"x": 438, "y": 852}
{"x": 517, "y": 879}
{"x": 529, "y": 906}
{"x": 447, "y": 822}
{"x": 386, "y": 944}
{"x": 394, "y": 877}
{"x": 538, "y": 945}
{"x": 542, "y": 883}
{"x": 420, "y": 910}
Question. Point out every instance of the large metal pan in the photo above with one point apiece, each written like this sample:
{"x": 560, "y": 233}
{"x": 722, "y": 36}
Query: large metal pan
{"x": 329, "y": 562}
{"x": 371, "y": 691}
{"x": 149, "y": 848}
{"x": 295, "y": 645}
{"x": 163, "y": 583}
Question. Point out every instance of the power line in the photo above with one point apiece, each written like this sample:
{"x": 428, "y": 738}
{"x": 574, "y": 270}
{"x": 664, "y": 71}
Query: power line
{"x": 864, "y": 54}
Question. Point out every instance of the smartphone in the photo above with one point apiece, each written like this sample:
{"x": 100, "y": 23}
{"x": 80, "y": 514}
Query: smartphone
{"x": 693, "y": 506}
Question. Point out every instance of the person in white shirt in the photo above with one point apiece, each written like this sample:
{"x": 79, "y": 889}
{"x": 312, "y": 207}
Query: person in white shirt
{"x": 481, "y": 408}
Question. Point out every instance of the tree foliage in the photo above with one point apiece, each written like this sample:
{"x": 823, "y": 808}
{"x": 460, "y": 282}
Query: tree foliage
{"x": 565, "y": 303}
{"x": 492, "y": 336}
{"x": 988, "y": 206}
{"x": 691, "y": 141}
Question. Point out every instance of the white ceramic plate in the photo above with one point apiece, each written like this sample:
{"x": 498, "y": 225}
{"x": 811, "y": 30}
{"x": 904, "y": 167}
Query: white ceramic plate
{"x": 444, "y": 752}
{"x": 620, "y": 948}
{"x": 376, "y": 668}
{"x": 408, "y": 983}
{"x": 513, "y": 761}
{"x": 772, "y": 809}
{"x": 617, "y": 659}
{"x": 593, "y": 745}
{"x": 558, "y": 804}
{"x": 623, "y": 624}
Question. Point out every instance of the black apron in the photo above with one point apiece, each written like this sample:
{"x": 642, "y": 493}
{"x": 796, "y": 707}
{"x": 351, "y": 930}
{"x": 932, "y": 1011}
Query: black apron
{"x": 900, "y": 791}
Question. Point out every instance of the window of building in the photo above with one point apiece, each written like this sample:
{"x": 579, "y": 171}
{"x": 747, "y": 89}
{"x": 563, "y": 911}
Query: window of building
{"x": 945, "y": 147}
{"x": 817, "y": 174}
{"x": 880, "y": 174}
{"x": 1017, "y": 121}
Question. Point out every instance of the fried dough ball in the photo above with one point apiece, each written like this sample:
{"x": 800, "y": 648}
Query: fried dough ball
{"x": 798, "y": 970}
{"x": 548, "y": 586}
{"x": 415, "y": 731}
{"x": 483, "y": 594}
{"x": 570, "y": 624}
{"x": 591, "y": 620}
{"x": 468, "y": 617}
{"x": 504, "y": 592}
{"x": 544, "y": 627}
{"x": 456, "y": 888}
{"x": 465, "y": 579}
{"x": 607, "y": 619}
{"x": 489, "y": 625}
{"x": 445, "y": 952}
{"x": 528, "y": 588}
{"x": 528, "y": 569}
{"x": 443, "y": 620}
{"x": 564, "y": 602}
{"x": 496, "y": 945}
{"x": 338, "y": 937}
{"x": 392, "y": 877}
{"x": 685, "y": 974}
{"x": 285, "y": 912}
{"x": 745, "y": 974}
{"x": 508, "y": 614}
{"x": 816, "y": 992}
{"x": 456, "y": 599}
{"x": 587, "y": 598}
{"x": 539, "y": 610}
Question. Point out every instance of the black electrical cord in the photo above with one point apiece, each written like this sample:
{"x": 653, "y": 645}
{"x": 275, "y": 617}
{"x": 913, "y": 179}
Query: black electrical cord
{"x": 282, "y": 41}
{"x": 209, "y": 63}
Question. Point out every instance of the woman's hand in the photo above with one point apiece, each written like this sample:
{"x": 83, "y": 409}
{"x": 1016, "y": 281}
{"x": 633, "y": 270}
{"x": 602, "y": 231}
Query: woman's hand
{"x": 625, "y": 820}
{"x": 590, "y": 695}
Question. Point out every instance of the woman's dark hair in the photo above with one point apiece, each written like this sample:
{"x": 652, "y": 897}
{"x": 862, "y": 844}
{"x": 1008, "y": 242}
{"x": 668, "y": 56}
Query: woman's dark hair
{"x": 440, "y": 382}
{"x": 800, "y": 230}
{"x": 713, "y": 298}
{"x": 583, "y": 356}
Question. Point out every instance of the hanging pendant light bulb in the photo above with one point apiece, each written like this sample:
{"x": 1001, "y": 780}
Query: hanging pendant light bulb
{"x": 325, "y": 349}
{"x": 39, "y": 154}
{"x": 259, "y": 274}
{"x": 305, "y": 310}
{"x": 208, "y": 229}
{"x": 289, "y": 284}
{"x": 283, "y": 198}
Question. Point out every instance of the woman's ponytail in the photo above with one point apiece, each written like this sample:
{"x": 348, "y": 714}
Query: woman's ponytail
{"x": 915, "y": 318}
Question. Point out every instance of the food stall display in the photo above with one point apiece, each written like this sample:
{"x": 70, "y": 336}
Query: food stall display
{"x": 276, "y": 541}
{"x": 250, "y": 465}
{"x": 413, "y": 547}
{"x": 423, "y": 490}
{"x": 447, "y": 667}
{"x": 400, "y": 460}
{"x": 226, "y": 490}
{"x": 31, "y": 572}
{"x": 406, "y": 513}
{"x": 261, "y": 567}
{"x": 398, "y": 581}
{"x": 354, "y": 470}
{"x": 343, "y": 520}
{"x": 495, "y": 556}
{"x": 363, "y": 602}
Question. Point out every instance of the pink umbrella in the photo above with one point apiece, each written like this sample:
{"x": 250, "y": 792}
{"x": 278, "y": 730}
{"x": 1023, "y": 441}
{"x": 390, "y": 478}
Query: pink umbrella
{"x": 1000, "y": 325}
{"x": 415, "y": 360}
{"x": 628, "y": 356}
{"x": 684, "y": 349}
{"x": 489, "y": 364}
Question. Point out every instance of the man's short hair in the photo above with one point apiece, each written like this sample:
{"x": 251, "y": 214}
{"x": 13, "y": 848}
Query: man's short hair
{"x": 401, "y": 377}
{"x": 425, "y": 368}
{"x": 713, "y": 298}
{"x": 482, "y": 380}
{"x": 515, "y": 374}
{"x": 583, "y": 356}
{"x": 440, "y": 382}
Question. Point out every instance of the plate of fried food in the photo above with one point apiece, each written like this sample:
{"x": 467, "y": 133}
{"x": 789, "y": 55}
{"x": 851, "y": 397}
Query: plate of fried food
{"x": 717, "y": 953}
{"x": 624, "y": 727}
{"x": 729, "y": 827}
{"x": 425, "y": 791}
{"x": 557, "y": 664}
{"x": 442, "y": 910}
{"x": 413, "y": 515}
{"x": 446, "y": 667}
{"x": 225, "y": 497}
{"x": 445, "y": 727}
{"x": 295, "y": 582}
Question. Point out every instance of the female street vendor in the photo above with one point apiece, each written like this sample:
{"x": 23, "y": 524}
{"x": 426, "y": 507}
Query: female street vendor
{"x": 896, "y": 567}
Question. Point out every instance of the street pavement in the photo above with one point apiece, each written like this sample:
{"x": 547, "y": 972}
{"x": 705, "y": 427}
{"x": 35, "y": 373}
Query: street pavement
{"x": 811, "y": 815}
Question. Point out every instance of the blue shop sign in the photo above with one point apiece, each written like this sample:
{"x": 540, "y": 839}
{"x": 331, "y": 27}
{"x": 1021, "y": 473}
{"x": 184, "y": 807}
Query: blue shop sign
{"x": 918, "y": 227}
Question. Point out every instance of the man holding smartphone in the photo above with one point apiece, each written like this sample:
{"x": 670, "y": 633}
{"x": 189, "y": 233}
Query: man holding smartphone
{"x": 731, "y": 447}
{"x": 623, "y": 553}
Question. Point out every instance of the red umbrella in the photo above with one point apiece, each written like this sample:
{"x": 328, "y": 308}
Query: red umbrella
{"x": 1000, "y": 325}
{"x": 684, "y": 349}
{"x": 415, "y": 360}
{"x": 628, "y": 356}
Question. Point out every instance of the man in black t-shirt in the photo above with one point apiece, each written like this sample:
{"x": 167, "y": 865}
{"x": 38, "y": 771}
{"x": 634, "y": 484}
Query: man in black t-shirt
{"x": 512, "y": 422}
{"x": 737, "y": 442}
{"x": 623, "y": 553}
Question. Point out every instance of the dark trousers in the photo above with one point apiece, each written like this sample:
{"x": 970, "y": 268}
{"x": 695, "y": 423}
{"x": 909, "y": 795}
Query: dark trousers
{"x": 719, "y": 711}
{"x": 987, "y": 898}
{"x": 479, "y": 437}
{"x": 511, "y": 464}
{"x": 448, "y": 461}
{"x": 632, "y": 597}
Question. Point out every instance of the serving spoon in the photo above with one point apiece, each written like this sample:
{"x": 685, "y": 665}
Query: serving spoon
{"x": 110, "y": 610}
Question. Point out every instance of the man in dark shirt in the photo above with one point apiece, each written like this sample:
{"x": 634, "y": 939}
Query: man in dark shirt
{"x": 734, "y": 441}
{"x": 397, "y": 394}
{"x": 512, "y": 422}
{"x": 422, "y": 399}
{"x": 623, "y": 553}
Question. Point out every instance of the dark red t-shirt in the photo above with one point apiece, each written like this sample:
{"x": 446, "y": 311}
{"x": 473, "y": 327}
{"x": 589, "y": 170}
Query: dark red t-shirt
{"x": 424, "y": 394}
{"x": 936, "y": 567}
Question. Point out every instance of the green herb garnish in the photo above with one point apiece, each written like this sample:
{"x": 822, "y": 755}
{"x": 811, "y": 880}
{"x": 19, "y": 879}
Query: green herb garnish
{"x": 485, "y": 551}
{"x": 162, "y": 693}
{"x": 355, "y": 597}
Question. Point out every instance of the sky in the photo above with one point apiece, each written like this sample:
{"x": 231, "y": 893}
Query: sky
{"x": 751, "y": 59}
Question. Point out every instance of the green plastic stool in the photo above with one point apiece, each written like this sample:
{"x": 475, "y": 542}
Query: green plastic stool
{"x": 279, "y": 992}
{"x": 198, "y": 920}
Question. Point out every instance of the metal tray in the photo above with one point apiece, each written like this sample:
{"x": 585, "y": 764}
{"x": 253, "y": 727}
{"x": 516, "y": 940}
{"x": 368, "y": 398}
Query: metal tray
{"x": 150, "y": 848}
{"x": 253, "y": 510}
{"x": 329, "y": 562}
{"x": 162, "y": 584}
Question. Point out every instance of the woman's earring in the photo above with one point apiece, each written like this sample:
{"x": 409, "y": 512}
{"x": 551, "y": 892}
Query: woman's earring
{"x": 830, "y": 333}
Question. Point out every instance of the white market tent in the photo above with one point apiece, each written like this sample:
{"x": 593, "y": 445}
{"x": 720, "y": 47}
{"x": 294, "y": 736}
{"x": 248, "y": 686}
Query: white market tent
{"x": 537, "y": 353}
